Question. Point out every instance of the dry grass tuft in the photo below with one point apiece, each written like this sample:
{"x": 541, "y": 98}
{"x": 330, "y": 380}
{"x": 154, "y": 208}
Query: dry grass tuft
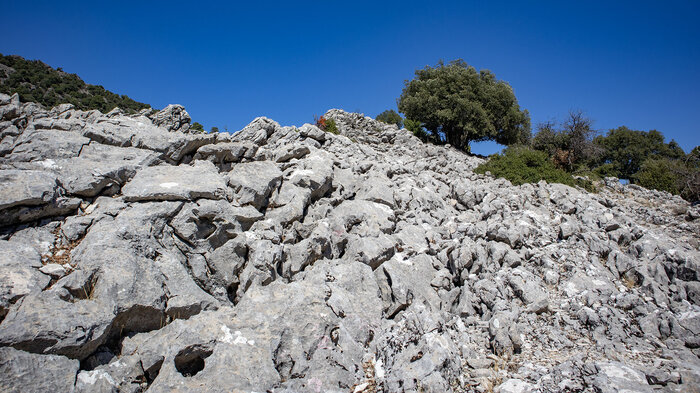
{"x": 628, "y": 282}
{"x": 370, "y": 383}
{"x": 60, "y": 252}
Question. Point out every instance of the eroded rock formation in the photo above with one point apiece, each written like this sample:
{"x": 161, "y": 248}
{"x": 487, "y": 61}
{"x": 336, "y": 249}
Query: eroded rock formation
{"x": 137, "y": 257}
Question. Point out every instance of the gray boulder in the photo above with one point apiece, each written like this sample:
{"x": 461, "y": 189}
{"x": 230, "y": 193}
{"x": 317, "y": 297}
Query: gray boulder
{"x": 257, "y": 131}
{"x": 183, "y": 182}
{"x": 29, "y": 195}
{"x": 253, "y": 182}
{"x": 25, "y": 372}
{"x": 19, "y": 274}
{"x": 173, "y": 118}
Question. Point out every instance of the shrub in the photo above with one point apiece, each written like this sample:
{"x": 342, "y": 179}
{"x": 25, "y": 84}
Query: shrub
{"x": 331, "y": 126}
{"x": 547, "y": 138}
{"x": 215, "y": 129}
{"x": 327, "y": 125}
{"x": 390, "y": 117}
{"x": 562, "y": 159}
{"x": 521, "y": 165}
{"x": 416, "y": 128}
{"x": 679, "y": 177}
{"x": 690, "y": 189}
{"x": 660, "y": 174}
{"x": 606, "y": 170}
{"x": 571, "y": 146}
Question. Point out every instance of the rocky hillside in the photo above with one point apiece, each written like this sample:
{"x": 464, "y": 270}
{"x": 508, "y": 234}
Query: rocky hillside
{"x": 138, "y": 257}
{"x": 36, "y": 81}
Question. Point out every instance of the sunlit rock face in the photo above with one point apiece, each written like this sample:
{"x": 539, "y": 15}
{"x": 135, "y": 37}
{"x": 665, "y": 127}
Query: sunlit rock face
{"x": 136, "y": 256}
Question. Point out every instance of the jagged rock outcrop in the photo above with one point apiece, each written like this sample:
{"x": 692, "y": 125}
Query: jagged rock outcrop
{"x": 173, "y": 118}
{"x": 135, "y": 256}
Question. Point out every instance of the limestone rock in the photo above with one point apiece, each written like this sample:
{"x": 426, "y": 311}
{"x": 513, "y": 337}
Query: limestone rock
{"x": 26, "y": 188}
{"x": 25, "y": 372}
{"x": 173, "y": 118}
{"x": 19, "y": 274}
{"x": 183, "y": 182}
{"x": 136, "y": 256}
{"x": 253, "y": 182}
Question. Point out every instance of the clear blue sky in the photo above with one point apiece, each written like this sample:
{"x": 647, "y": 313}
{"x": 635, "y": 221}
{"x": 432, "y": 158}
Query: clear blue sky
{"x": 631, "y": 63}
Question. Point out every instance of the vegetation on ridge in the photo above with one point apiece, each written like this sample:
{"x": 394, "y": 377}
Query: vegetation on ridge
{"x": 35, "y": 81}
{"x": 327, "y": 125}
{"x": 449, "y": 103}
{"x": 573, "y": 151}
{"x": 453, "y": 103}
{"x": 458, "y": 105}
{"x": 390, "y": 117}
{"x": 521, "y": 164}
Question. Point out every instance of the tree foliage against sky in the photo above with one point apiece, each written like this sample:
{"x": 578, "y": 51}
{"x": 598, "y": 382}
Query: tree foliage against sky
{"x": 458, "y": 105}
{"x": 390, "y": 116}
{"x": 627, "y": 149}
{"x": 642, "y": 157}
{"x": 35, "y": 81}
{"x": 570, "y": 145}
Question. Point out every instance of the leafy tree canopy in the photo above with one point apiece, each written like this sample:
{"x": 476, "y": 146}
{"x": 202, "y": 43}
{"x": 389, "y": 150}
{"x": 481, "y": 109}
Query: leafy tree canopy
{"x": 196, "y": 127}
{"x": 457, "y": 105}
{"x": 416, "y": 128}
{"x": 627, "y": 149}
{"x": 390, "y": 117}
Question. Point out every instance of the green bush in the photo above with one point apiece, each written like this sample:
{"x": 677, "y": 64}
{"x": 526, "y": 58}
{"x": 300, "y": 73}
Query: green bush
{"x": 521, "y": 165}
{"x": 390, "y": 117}
{"x": 416, "y": 128}
{"x": 606, "y": 170}
{"x": 331, "y": 126}
{"x": 690, "y": 188}
{"x": 327, "y": 125}
{"x": 679, "y": 177}
{"x": 660, "y": 174}
{"x": 548, "y": 139}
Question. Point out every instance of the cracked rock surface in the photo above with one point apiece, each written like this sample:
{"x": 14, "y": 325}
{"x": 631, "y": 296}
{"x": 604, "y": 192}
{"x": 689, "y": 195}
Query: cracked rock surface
{"x": 135, "y": 256}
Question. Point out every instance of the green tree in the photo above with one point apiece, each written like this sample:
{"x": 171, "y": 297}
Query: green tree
{"x": 660, "y": 174}
{"x": 215, "y": 129}
{"x": 627, "y": 149}
{"x": 458, "y": 105}
{"x": 547, "y": 139}
{"x": 390, "y": 117}
{"x": 196, "y": 127}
